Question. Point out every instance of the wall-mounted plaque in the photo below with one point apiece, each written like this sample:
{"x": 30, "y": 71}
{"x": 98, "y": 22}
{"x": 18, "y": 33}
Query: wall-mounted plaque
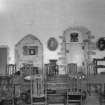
{"x": 52, "y": 44}
{"x": 101, "y": 44}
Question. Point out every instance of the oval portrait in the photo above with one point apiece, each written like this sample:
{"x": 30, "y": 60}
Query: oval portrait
{"x": 101, "y": 44}
{"x": 52, "y": 44}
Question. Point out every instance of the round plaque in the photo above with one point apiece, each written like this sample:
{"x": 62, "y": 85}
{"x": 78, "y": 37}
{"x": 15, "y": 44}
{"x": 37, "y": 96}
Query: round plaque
{"x": 101, "y": 44}
{"x": 52, "y": 44}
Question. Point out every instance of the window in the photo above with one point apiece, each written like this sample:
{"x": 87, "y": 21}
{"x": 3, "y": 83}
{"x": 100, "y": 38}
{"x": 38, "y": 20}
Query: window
{"x": 74, "y": 37}
{"x": 30, "y": 50}
{"x": 35, "y": 71}
{"x": 25, "y": 50}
